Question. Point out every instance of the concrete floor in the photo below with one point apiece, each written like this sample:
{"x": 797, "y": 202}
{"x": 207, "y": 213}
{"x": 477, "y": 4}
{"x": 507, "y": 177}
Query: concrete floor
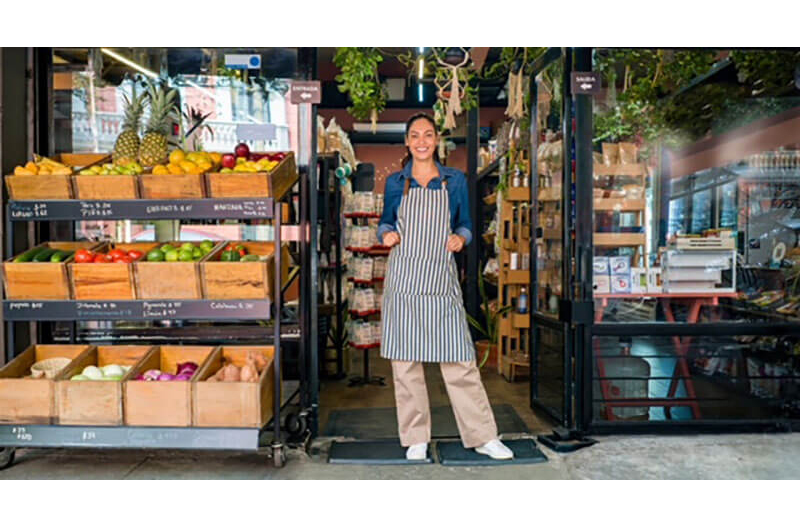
{"x": 645, "y": 457}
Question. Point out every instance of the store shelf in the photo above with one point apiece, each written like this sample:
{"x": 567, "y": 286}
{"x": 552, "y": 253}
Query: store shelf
{"x": 201, "y": 310}
{"x": 371, "y": 282}
{"x": 619, "y": 239}
{"x": 518, "y": 194}
{"x": 520, "y": 362}
{"x": 362, "y": 215}
{"x": 552, "y": 234}
{"x": 489, "y": 169}
{"x": 633, "y": 169}
{"x": 490, "y": 199}
{"x": 364, "y": 314}
{"x": 364, "y": 347}
{"x": 377, "y": 251}
{"x": 618, "y": 204}
{"x": 43, "y": 210}
{"x": 549, "y": 194}
{"x": 518, "y": 277}
{"x": 520, "y": 320}
{"x": 129, "y": 437}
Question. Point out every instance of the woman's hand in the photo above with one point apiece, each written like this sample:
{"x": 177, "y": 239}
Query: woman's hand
{"x": 455, "y": 243}
{"x": 391, "y": 239}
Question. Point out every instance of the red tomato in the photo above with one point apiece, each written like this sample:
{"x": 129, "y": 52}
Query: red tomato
{"x": 135, "y": 254}
{"x": 242, "y": 252}
{"x": 230, "y": 247}
{"x": 116, "y": 253}
{"x": 83, "y": 256}
{"x": 103, "y": 259}
{"x": 126, "y": 259}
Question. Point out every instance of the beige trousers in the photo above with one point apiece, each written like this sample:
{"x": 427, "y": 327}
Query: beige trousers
{"x": 471, "y": 407}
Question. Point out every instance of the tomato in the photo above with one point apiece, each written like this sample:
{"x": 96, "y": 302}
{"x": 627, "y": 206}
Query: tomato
{"x": 103, "y": 259}
{"x": 242, "y": 252}
{"x": 116, "y": 253}
{"x": 230, "y": 247}
{"x": 83, "y": 256}
{"x": 135, "y": 254}
{"x": 126, "y": 259}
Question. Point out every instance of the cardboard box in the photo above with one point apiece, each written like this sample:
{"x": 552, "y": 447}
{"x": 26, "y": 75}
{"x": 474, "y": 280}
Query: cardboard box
{"x": 619, "y": 265}
{"x": 601, "y": 266}
{"x": 621, "y": 283}
{"x": 638, "y": 280}
{"x": 602, "y": 284}
{"x": 654, "y": 281}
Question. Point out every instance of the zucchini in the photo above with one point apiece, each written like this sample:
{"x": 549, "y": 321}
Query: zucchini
{"x": 28, "y": 255}
{"x": 44, "y": 256}
{"x": 60, "y": 256}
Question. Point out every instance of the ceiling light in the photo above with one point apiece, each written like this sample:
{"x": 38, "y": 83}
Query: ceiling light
{"x": 128, "y": 62}
{"x": 421, "y": 67}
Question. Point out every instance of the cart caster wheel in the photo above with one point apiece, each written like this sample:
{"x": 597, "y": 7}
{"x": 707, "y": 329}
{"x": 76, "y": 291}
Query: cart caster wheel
{"x": 278, "y": 456}
{"x": 295, "y": 424}
{"x": 7, "y": 457}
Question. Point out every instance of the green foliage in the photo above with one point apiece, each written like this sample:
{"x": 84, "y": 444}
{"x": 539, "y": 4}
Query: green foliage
{"x": 511, "y": 60}
{"x": 359, "y": 79}
{"x": 766, "y": 72}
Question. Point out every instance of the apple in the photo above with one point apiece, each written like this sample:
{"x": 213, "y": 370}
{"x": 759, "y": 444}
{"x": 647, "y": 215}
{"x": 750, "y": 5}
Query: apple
{"x": 228, "y": 161}
{"x": 242, "y": 150}
{"x": 278, "y": 156}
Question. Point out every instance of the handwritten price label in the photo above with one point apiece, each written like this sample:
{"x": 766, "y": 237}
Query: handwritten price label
{"x": 22, "y": 434}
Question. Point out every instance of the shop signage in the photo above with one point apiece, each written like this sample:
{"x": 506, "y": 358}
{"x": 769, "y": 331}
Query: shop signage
{"x": 237, "y": 61}
{"x": 306, "y": 92}
{"x": 586, "y": 83}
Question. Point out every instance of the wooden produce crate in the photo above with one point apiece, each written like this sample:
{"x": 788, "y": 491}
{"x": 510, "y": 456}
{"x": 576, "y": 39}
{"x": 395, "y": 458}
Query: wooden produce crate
{"x": 163, "y": 403}
{"x": 95, "y": 402}
{"x": 24, "y": 400}
{"x": 168, "y": 280}
{"x": 48, "y": 186}
{"x": 41, "y": 280}
{"x": 273, "y": 184}
{"x": 113, "y": 281}
{"x": 174, "y": 186}
{"x": 106, "y": 186}
{"x": 242, "y": 280}
{"x": 232, "y": 403}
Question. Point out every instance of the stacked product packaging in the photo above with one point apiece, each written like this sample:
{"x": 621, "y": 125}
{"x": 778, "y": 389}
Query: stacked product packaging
{"x": 614, "y": 275}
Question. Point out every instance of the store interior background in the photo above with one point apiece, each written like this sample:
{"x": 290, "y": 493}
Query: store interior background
{"x": 724, "y": 155}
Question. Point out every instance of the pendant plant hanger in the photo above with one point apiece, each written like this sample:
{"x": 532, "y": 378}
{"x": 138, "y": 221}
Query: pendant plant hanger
{"x": 449, "y": 89}
{"x": 359, "y": 79}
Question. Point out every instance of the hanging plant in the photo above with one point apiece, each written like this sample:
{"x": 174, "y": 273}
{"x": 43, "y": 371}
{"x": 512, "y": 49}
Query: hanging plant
{"x": 453, "y": 82}
{"x": 359, "y": 80}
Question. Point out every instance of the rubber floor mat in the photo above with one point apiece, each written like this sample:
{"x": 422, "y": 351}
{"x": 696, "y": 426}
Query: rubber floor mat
{"x": 382, "y": 453}
{"x": 453, "y": 453}
{"x": 381, "y": 422}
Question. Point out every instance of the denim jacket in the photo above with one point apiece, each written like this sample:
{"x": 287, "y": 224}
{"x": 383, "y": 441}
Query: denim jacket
{"x": 460, "y": 221}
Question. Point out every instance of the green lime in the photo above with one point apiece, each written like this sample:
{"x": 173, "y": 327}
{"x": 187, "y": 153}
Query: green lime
{"x": 185, "y": 255}
{"x": 206, "y": 245}
{"x": 171, "y": 255}
{"x": 187, "y": 246}
{"x": 155, "y": 255}
{"x": 197, "y": 253}
{"x": 166, "y": 247}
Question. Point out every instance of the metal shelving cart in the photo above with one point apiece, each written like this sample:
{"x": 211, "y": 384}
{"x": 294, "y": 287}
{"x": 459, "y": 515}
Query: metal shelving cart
{"x": 271, "y": 436}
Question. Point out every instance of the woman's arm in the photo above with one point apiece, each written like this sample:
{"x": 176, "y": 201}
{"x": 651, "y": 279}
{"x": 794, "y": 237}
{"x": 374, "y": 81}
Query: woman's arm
{"x": 462, "y": 222}
{"x": 392, "y": 194}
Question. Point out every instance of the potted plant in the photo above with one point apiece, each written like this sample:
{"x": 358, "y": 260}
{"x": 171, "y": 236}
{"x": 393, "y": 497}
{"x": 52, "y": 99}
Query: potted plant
{"x": 487, "y": 348}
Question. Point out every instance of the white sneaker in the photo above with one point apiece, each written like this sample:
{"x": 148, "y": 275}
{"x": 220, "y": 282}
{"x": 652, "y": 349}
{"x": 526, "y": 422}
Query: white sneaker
{"x": 417, "y": 451}
{"x": 495, "y": 449}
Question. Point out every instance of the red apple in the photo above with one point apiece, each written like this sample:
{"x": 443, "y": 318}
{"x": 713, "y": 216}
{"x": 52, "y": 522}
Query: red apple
{"x": 242, "y": 150}
{"x": 278, "y": 156}
{"x": 228, "y": 161}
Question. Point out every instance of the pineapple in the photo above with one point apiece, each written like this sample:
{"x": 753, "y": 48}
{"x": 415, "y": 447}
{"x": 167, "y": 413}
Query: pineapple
{"x": 126, "y": 148}
{"x": 163, "y": 110}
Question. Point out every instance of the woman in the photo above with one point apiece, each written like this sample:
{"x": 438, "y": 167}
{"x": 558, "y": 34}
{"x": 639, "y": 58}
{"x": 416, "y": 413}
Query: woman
{"x": 425, "y": 220}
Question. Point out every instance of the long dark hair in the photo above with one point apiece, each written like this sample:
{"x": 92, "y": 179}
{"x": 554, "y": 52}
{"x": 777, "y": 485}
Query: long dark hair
{"x": 427, "y": 117}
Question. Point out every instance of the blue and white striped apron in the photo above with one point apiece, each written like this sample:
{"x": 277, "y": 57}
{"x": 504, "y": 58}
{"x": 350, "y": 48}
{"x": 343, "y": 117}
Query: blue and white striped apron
{"x": 423, "y": 309}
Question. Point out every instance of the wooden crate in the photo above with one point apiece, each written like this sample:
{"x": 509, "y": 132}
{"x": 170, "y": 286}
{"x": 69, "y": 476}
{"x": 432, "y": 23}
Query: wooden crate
{"x": 95, "y": 402}
{"x": 174, "y": 186}
{"x": 518, "y": 194}
{"x": 234, "y": 404}
{"x": 41, "y": 280}
{"x": 242, "y": 280}
{"x": 169, "y": 280}
{"x": 114, "y": 281}
{"x": 44, "y": 187}
{"x": 256, "y": 184}
{"x": 619, "y": 239}
{"x": 106, "y": 186}
{"x": 163, "y": 403}
{"x": 27, "y": 400}
{"x": 520, "y": 320}
{"x": 518, "y": 277}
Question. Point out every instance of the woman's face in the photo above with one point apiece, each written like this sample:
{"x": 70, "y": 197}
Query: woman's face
{"x": 421, "y": 140}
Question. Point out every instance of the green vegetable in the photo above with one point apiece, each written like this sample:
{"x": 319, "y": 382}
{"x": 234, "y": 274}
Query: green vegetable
{"x": 230, "y": 256}
{"x": 197, "y": 253}
{"x": 166, "y": 247}
{"x": 250, "y": 258}
{"x": 28, "y": 255}
{"x": 185, "y": 255}
{"x": 171, "y": 255}
{"x": 61, "y": 256}
{"x": 155, "y": 255}
{"x": 44, "y": 256}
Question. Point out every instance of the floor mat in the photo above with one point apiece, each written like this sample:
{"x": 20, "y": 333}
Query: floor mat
{"x": 382, "y": 453}
{"x": 381, "y": 422}
{"x": 453, "y": 453}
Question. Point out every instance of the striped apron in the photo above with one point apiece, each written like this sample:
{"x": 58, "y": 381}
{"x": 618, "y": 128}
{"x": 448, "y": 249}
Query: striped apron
{"x": 423, "y": 309}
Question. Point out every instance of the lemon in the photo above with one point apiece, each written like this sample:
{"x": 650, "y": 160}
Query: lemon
{"x": 189, "y": 167}
{"x": 160, "y": 170}
{"x": 176, "y": 156}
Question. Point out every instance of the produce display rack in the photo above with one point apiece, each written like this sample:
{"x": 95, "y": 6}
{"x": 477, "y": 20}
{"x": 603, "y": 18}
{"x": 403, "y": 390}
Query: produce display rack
{"x": 13, "y": 436}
